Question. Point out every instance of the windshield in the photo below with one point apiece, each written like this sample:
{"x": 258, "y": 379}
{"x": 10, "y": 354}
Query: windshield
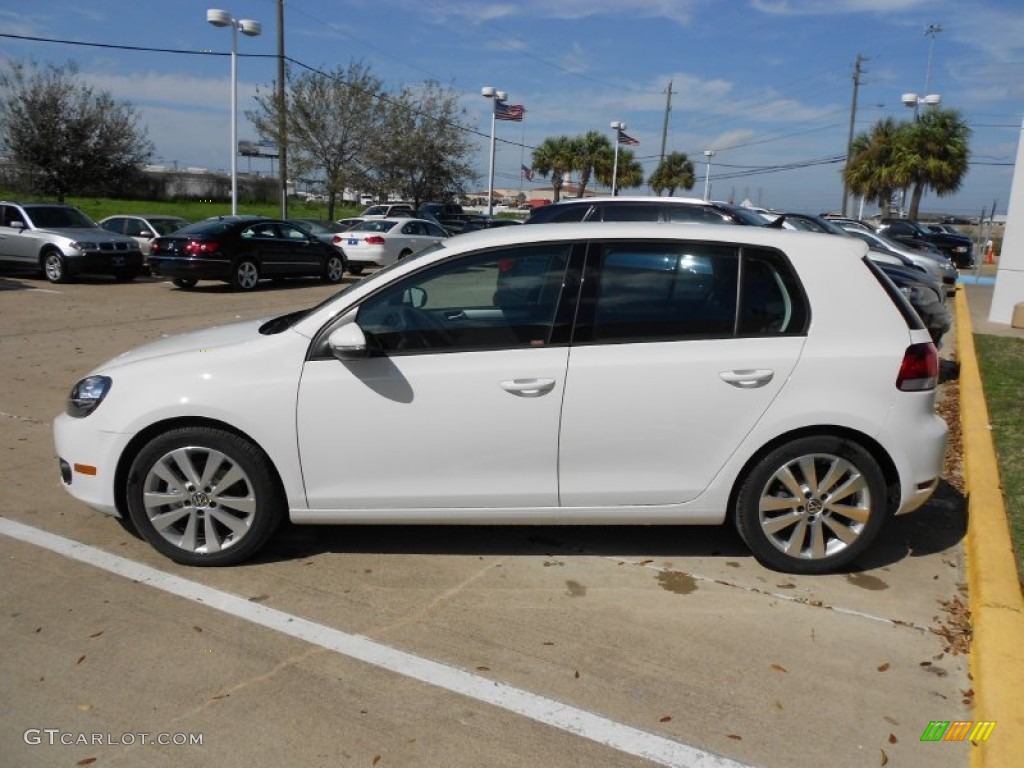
{"x": 58, "y": 216}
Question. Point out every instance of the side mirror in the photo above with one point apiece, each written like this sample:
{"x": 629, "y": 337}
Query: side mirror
{"x": 348, "y": 342}
{"x": 415, "y": 297}
{"x": 147, "y": 234}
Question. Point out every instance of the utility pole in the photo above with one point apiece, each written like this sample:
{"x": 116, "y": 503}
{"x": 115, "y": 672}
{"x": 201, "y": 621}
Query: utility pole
{"x": 857, "y": 71}
{"x": 664, "y": 125}
{"x": 282, "y": 119}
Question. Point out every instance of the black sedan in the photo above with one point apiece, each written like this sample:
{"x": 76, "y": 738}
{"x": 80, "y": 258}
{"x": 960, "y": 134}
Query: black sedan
{"x": 241, "y": 251}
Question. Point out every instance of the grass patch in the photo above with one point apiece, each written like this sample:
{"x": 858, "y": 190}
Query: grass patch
{"x": 1001, "y": 360}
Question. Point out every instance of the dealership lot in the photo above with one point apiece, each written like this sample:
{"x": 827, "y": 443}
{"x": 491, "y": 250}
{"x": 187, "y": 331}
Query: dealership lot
{"x": 676, "y": 633}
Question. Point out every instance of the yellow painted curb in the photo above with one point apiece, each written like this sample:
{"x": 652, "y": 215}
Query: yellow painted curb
{"x": 996, "y": 602}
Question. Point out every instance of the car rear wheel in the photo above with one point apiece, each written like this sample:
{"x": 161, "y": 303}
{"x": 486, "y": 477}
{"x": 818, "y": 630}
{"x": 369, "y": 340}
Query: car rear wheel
{"x": 185, "y": 282}
{"x": 203, "y": 496}
{"x": 811, "y": 505}
{"x": 355, "y": 270}
{"x": 334, "y": 270}
{"x": 55, "y": 266}
{"x": 246, "y": 275}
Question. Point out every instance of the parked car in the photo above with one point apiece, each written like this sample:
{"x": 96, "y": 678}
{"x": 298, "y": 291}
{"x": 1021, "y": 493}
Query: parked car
{"x": 241, "y": 251}
{"x": 389, "y": 210}
{"x": 957, "y": 248}
{"x": 949, "y": 229}
{"x": 143, "y": 227}
{"x": 62, "y": 242}
{"x": 927, "y": 298}
{"x": 936, "y": 265}
{"x": 580, "y": 373}
{"x": 689, "y": 210}
{"x": 349, "y": 222}
{"x": 379, "y": 242}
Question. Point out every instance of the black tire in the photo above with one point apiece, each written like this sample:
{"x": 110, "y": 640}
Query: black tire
{"x": 334, "y": 270}
{"x": 355, "y": 270}
{"x": 789, "y": 511}
{"x": 185, "y": 282}
{"x": 245, "y": 276}
{"x": 404, "y": 253}
{"x": 210, "y": 514}
{"x": 54, "y": 266}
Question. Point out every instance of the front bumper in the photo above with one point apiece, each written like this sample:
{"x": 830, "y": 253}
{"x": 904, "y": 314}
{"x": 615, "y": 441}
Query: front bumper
{"x": 88, "y": 459}
{"x": 105, "y": 262}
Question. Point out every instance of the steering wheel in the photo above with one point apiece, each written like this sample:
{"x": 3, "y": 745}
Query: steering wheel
{"x": 416, "y": 329}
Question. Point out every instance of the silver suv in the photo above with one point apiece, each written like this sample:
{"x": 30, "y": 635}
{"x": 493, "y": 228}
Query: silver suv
{"x": 62, "y": 242}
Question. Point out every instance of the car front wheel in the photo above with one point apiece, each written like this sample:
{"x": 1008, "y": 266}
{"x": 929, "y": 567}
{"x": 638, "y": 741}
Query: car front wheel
{"x": 55, "y": 266}
{"x": 246, "y": 276}
{"x": 204, "y": 496}
{"x": 812, "y": 505}
{"x": 185, "y": 282}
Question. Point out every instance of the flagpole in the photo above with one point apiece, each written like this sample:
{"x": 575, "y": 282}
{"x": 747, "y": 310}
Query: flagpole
{"x": 618, "y": 127}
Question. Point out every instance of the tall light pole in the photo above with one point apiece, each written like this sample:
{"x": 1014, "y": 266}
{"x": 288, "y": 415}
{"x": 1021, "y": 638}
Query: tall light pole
{"x": 617, "y": 126}
{"x": 498, "y": 96}
{"x": 708, "y": 153}
{"x": 219, "y": 18}
{"x": 930, "y": 31}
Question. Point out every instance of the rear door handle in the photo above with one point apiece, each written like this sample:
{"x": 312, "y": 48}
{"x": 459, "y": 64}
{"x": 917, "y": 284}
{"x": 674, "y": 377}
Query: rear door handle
{"x": 747, "y": 379}
{"x": 528, "y": 387}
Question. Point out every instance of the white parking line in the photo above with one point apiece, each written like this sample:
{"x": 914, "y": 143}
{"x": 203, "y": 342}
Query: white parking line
{"x": 588, "y": 725}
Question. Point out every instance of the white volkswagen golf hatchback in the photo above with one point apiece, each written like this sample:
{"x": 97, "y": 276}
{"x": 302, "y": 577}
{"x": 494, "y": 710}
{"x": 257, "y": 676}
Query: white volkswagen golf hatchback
{"x": 571, "y": 373}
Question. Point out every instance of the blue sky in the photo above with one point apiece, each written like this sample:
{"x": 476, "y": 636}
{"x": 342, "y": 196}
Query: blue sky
{"x": 765, "y": 83}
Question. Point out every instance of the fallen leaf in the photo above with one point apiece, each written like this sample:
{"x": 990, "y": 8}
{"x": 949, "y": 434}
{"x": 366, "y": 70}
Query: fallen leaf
{"x": 734, "y": 736}
{"x": 885, "y": 757}
{"x": 197, "y": 629}
{"x": 38, "y": 630}
{"x": 86, "y": 761}
{"x": 779, "y": 668}
{"x": 221, "y": 696}
{"x": 884, "y": 667}
{"x": 97, "y": 634}
{"x": 80, "y": 659}
{"x": 665, "y": 719}
{"x": 548, "y": 642}
{"x": 925, "y": 664}
{"x": 778, "y": 704}
{"x": 84, "y": 707}
{"x": 482, "y": 668}
{"x": 577, "y": 675}
{"x": 645, "y": 562}
{"x": 891, "y": 720}
{"x": 376, "y": 759}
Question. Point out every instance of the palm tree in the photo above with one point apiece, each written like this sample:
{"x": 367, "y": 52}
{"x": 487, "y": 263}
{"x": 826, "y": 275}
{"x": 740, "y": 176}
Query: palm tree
{"x": 630, "y": 172}
{"x": 672, "y": 173}
{"x": 873, "y": 170}
{"x": 555, "y": 156}
{"x": 934, "y": 149}
{"x": 594, "y": 155}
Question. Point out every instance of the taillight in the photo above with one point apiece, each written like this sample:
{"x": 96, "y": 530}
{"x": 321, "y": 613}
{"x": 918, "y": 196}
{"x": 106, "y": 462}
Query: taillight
{"x": 154, "y": 247}
{"x": 337, "y": 239}
{"x": 374, "y": 240}
{"x": 201, "y": 246}
{"x": 920, "y": 368}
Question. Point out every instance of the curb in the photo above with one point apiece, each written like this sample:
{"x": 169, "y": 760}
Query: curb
{"x": 996, "y": 602}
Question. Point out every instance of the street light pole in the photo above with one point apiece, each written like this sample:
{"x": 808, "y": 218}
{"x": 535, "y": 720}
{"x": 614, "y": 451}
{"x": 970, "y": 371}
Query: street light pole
{"x": 618, "y": 127}
{"x": 498, "y": 96}
{"x": 708, "y": 153}
{"x": 219, "y": 18}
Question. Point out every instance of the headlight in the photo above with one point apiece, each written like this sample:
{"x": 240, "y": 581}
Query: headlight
{"x": 87, "y": 394}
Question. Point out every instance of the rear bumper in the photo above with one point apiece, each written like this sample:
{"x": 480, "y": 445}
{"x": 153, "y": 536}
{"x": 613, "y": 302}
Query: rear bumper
{"x": 196, "y": 269}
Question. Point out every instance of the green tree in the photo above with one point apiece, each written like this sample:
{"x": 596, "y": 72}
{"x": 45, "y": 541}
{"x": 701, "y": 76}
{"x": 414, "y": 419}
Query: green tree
{"x": 594, "y": 156}
{"x": 630, "y": 174}
{"x": 873, "y": 170}
{"x": 70, "y": 138}
{"x": 934, "y": 150}
{"x": 424, "y": 149}
{"x": 674, "y": 172}
{"x": 555, "y": 157}
{"x": 330, "y": 119}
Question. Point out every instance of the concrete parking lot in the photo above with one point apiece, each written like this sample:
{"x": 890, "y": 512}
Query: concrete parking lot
{"x": 436, "y": 646}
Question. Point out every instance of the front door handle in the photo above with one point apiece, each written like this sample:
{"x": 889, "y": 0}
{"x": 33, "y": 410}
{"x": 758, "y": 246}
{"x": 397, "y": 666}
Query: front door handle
{"x": 528, "y": 387}
{"x": 747, "y": 379}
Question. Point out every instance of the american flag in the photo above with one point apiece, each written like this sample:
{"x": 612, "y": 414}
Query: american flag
{"x": 504, "y": 111}
{"x": 629, "y": 140}
{"x": 527, "y": 173}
